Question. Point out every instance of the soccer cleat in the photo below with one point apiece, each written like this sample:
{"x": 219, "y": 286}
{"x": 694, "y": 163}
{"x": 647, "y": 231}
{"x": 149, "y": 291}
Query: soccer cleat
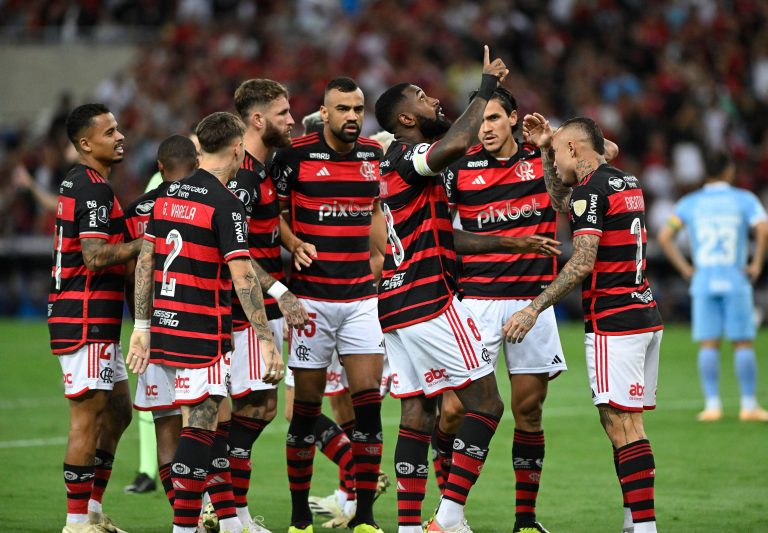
{"x": 710, "y": 415}
{"x": 758, "y": 414}
{"x": 381, "y": 485}
{"x": 530, "y": 528}
{"x": 100, "y": 520}
{"x": 461, "y": 527}
{"x": 256, "y": 525}
{"x": 296, "y": 529}
{"x": 338, "y": 522}
{"x": 366, "y": 528}
{"x": 75, "y": 527}
{"x": 210, "y": 521}
{"x": 141, "y": 485}
{"x": 327, "y": 506}
{"x": 628, "y": 529}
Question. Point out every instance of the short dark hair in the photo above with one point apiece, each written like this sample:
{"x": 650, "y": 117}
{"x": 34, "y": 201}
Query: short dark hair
{"x": 219, "y": 129}
{"x": 590, "y": 128}
{"x": 387, "y": 104}
{"x": 81, "y": 118}
{"x": 503, "y": 96}
{"x": 177, "y": 152}
{"x": 342, "y": 84}
{"x": 257, "y": 92}
{"x": 716, "y": 163}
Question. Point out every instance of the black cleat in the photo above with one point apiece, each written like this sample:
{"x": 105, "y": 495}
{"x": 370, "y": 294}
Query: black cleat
{"x": 141, "y": 485}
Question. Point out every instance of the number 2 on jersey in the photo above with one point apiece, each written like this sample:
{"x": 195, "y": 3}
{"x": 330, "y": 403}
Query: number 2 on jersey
{"x": 168, "y": 287}
{"x": 636, "y": 229}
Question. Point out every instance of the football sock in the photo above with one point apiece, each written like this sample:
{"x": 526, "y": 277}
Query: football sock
{"x": 79, "y": 483}
{"x": 102, "y": 472}
{"x": 367, "y": 444}
{"x": 528, "y": 461}
{"x": 412, "y": 471}
{"x": 709, "y": 371}
{"x": 443, "y": 445}
{"x": 147, "y": 444}
{"x": 627, "y": 510}
{"x": 636, "y": 474}
{"x": 746, "y": 370}
{"x": 243, "y": 432}
{"x": 348, "y": 427}
{"x": 189, "y": 471}
{"x": 470, "y": 449}
{"x": 165, "y": 479}
{"x": 335, "y": 445}
{"x": 300, "y": 453}
{"x": 219, "y": 481}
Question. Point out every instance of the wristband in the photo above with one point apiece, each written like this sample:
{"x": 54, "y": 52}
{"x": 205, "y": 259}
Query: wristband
{"x": 277, "y": 290}
{"x": 487, "y": 86}
{"x": 141, "y": 324}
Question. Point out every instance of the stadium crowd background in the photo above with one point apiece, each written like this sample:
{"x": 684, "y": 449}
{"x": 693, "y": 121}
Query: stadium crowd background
{"x": 668, "y": 81}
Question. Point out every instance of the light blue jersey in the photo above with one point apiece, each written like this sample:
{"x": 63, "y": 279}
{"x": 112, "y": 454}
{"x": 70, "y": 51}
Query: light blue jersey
{"x": 718, "y": 218}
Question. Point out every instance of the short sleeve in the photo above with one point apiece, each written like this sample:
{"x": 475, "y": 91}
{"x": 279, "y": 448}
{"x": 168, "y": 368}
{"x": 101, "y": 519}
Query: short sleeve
{"x": 406, "y": 165}
{"x": 285, "y": 172}
{"x": 246, "y": 186}
{"x": 450, "y": 181}
{"x": 682, "y": 210}
{"x": 587, "y": 210}
{"x": 231, "y": 228}
{"x": 754, "y": 210}
{"x": 92, "y": 210}
{"x": 149, "y": 231}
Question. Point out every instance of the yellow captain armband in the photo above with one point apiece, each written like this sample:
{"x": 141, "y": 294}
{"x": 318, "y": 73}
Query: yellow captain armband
{"x": 674, "y": 223}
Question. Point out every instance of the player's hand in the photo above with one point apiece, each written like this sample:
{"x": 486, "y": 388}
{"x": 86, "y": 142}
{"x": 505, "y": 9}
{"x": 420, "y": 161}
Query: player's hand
{"x": 303, "y": 255}
{"x": 22, "y": 179}
{"x": 293, "y": 311}
{"x": 273, "y": 362}
{"x": 536, "y": 129}
{"x": 138, "y": 352}
{"x": 534, "y": 244}
{"x": 496, "y": 67}
{"x": 753, "y": 271}
{"x": 518, "y": 326}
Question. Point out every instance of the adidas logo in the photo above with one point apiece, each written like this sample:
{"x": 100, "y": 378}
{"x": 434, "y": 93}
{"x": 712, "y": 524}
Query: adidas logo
{"x": 556, "y": 360}
{"x": 323, "y": 172}
{"x": 478, "y": 181}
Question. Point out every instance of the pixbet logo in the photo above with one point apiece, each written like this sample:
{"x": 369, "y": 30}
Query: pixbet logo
{"x": 435, "y": 375}
{"x": 337, "y": 210}
{"x": 182, "y": 383}
{"x": 507, "y": 213}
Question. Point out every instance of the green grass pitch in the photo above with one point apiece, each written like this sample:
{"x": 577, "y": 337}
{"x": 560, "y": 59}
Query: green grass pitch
{"x": 710, "y": 477}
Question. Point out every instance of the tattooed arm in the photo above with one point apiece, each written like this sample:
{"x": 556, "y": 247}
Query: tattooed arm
{"x": 138, "y": 352}
{"x": 578, "y": 267}
{"x": 246, "y": 284}
{"x": 468, "y": 243}
{"x": 97, "y": 254}
{"x": 558, "y": 193}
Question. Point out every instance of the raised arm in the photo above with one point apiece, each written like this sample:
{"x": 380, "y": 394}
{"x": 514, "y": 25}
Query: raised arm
{"x": 98, "y": 254}
{"x": 537, "y": 130}
{"x": 668, "y": 245}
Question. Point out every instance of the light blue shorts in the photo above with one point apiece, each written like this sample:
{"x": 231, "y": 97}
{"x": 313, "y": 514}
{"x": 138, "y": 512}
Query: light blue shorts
{"x": 723, "y": 315}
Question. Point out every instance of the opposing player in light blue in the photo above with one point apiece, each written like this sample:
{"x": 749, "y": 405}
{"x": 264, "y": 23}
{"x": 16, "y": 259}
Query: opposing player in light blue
{"x": 718, "y": 219}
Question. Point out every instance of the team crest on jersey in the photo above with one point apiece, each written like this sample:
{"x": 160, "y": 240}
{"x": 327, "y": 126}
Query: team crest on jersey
{"x": 524, "y": 171}
{"x": 244, "y": 196}
{"x": 145, "y": 208}
{"x": 579, "y": 206}
{"x": 368, "y": 171}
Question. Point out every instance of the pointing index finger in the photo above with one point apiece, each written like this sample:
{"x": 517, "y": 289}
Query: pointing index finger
{"x": 486, "y": 55}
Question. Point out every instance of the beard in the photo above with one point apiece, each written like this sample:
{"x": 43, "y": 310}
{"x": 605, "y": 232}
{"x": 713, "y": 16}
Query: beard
{"x": 274, "y": 138}
{"x": 347, "y": 136}
{"x": 433, "y": 127}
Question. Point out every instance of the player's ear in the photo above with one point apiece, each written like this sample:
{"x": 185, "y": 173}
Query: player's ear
{"x": 83, "y": 145}
{"x": 324, "y": 115}
{"x": 257, "y": 119}
{"x": 406, "y": 119}
{"x": 513, "y": 119}
{"x": 161, "y": 168}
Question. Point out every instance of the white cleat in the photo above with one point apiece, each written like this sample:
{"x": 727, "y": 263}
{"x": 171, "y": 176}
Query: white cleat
{"x": 461, "y": 527}
{"x": 256, "y": 525}
{"x": 100, "y": 520}
{"x": 76, "y": 527}
{"x": 327, "y": 506}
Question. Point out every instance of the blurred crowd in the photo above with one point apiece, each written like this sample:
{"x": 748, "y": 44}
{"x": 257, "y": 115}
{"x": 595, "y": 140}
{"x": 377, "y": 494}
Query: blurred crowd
{"x": 667, "y": 80}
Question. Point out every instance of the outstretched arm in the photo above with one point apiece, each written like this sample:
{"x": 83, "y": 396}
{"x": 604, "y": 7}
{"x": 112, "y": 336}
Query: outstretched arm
{"x": 98, "y": 254}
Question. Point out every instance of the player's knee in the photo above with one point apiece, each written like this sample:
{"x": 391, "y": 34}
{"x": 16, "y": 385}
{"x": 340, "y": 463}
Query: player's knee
{"x": 528, "y": 416}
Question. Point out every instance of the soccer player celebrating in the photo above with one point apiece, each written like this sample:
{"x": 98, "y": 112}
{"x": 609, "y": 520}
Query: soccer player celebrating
{"x": 718, "y": 219}
{"x": 198, "y": 227}
{"x": 85, "y": 313}
{"x": 622, "y": 322}
{"x": 263, "y": 106}
{"x": 330, "y": 180}
{"x": 433, "y": 342}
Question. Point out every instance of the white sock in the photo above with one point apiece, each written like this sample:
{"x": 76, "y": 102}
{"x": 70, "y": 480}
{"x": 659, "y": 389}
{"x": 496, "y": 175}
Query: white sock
{"x": 94, "y": 506}
{"x": 449, "y": 513}
{"x": 341, "y": 498}
{"x": 627, "y": 517}
{"x": 350, "y": 507}
{"x": 409, "y": 529}
{"x": 713, "y": 403}
{"x": 77, "y": 518}
{"x": 244, "y": 514}
{"x": 206, "y": 499}
{"x": 233, "y": 525}
{"x": 748, "y": 403}
{"x": 645, "y": 527}
{"x": 179, "y": 529}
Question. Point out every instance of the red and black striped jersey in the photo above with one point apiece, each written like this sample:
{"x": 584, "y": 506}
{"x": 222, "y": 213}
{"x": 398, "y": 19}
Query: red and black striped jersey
{"x": 332, "y": 197}
{"x": 197, "y": 226}
{"x": 85, "y": 306}
{"x": 420, "y": 270}
{"x": 137, "y": 213}
{"x": 256, "y": 189}
{"x": 616, "y": 296}
{"x": 506, "y": 198}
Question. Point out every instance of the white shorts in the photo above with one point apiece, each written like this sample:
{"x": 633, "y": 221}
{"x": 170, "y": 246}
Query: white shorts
{"x": 624, "y": 369}
{"x": 193, "y": 385}
{"x": 155, "y": 390}
{"x": 94, "y": 366}
{"x": 539, "y": 353}
{"x": 349, "y": 328}
{"x": 247, "y": 364}
{"x": 386, "y": 377}
{"x": 443, "y": 353}
{"x": 335, "y": 379}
